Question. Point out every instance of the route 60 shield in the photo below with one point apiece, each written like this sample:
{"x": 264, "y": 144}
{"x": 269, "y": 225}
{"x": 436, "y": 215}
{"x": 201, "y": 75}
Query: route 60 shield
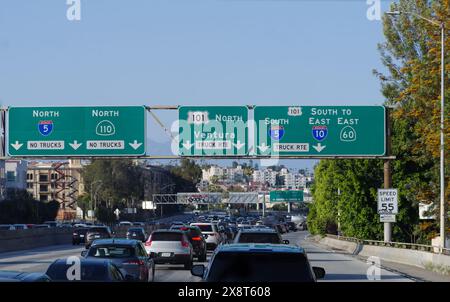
{"x": 276, "y": 132}
{"x": 45, "y": 127}
{"x": 320, "y": 132}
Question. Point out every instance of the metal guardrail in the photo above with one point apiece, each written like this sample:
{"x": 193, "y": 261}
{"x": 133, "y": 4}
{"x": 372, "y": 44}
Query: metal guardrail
{"x": 403, "y": 245}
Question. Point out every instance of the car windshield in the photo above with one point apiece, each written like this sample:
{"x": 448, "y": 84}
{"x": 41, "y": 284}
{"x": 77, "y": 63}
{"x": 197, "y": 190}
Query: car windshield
{"x": 259, "y": 238}
{"x": 58, "y": 272}
{"x": 4, "y": 227}
{"x": 111, "y": 252}
{"x": 205, "y": 227}
{"x": 260, "y": 267}
{"x": 135, "y": 230}
{"x": 166, "y": 236}
{"x": 98, "y": 230}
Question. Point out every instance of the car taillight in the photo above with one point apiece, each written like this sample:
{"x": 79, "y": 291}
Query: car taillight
{"x": 148, "y": 243}
{"x": 134, "y": 262}
{"x": 196, "y": 238}
{"x": 184, "y": 244}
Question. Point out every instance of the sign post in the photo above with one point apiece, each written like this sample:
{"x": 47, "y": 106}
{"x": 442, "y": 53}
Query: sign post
{"x": 76, "y": 131}
{"x": 319, "y": 131}
{"x": 213, "y": 130}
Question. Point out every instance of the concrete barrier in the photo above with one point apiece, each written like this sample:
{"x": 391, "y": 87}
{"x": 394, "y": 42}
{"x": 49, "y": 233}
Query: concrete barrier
{"x": 32, "y": 238}
{"x": 426, "y": 260}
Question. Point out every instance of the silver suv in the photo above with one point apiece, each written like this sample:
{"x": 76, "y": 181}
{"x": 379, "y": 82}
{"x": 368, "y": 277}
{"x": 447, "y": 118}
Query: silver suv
{"x": 170, "y": 247}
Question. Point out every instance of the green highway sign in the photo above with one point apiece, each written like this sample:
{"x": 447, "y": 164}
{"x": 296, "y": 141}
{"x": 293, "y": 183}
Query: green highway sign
{"x": 286, "y": 196}
{"x": 320, "y": 130}
{"x": 213, "y": 130}
{"x": 76, "y": 131}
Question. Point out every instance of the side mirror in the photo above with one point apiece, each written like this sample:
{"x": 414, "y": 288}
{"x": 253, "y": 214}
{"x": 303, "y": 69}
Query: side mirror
{"x": 198, "y": 270}
{"x": 286, "y": 241}
{"x": 319, "y": 272}
{"x": 84, "y": 253}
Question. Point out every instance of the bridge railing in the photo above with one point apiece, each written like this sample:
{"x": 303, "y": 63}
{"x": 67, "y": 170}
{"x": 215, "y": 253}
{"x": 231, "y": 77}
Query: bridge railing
{"x": 402, "y": 245}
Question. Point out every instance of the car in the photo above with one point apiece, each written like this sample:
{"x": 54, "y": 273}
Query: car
{"x": 80, "y": 225}
{"x": 90, "y": 270}
{"x": 214, "y": 237}
{"x": 279, "y": 228}
{"x": 259, "y": 236}
{"x": 137, "y": 233}
{"x": 7, "y": 227}
{"x": 52, "y": 224}
{"x": 292, "y": 226}
{"x": 128, "y": 254}
{"x": 138, "y": 224}
{"x": 197, "y": 240}
{"x": 12, "y": 276}
{"x": 41, "y": 226}
{"x": 127, "y": 223}
{"x": 177, "y": 223}
{"x": 95, "y": 233}
{"x": 258, "y": 263}
{"x": 170, "y": 247}
{"x": 20, "y": 226}
{"x": 79, "y": 235}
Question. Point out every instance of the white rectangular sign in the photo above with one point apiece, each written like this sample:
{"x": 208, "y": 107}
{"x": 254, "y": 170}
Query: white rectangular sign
{"x": 387, "y": 218}
{"x": 387, "y": 201}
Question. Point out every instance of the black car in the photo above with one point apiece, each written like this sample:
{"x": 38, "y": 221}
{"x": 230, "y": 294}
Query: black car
{"x": 279, "y": 228}
{"x": 258, "y": 263}
{"x": 79, "y": 235}
{"x": 259, "y": 236}
{"x": 197, "y": 239}
{"x": 292, "y": 226}
{"x": 89, "y": 270}
{"x": 127, "y": 254}
{"x": 11, "y": 276}
{"x": 137, "y": 234}
{"x": 95, "y": 233}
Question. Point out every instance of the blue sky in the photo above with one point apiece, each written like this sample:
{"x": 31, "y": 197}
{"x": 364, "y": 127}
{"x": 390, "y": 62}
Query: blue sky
{"x": 181, "y": 52}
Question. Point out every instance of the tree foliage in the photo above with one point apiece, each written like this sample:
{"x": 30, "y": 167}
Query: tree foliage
{"x": 411, "y": 54}
{"x": 19, "y": 206}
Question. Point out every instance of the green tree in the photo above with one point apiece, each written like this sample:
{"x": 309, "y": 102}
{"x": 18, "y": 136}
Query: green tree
{"x": 411, "y": 54}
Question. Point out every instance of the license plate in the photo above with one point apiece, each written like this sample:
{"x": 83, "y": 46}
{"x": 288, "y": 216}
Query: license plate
{"x": 166, "y": 254}
{"x": 134, "y": 235}
{"x": 82, "y": 236}
{"x": 96, "y": 236}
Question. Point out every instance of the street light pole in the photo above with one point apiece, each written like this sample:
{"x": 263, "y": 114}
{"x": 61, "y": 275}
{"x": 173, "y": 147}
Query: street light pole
{"x": 442, "y": 140}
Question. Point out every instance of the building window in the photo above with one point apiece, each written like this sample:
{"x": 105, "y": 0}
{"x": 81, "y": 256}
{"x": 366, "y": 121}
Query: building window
{"x": 29, "y": 185}
{"x": 43, "y": 188}
{"x": 43, "y": 197}
{"x": 43, "y": 177}
{"x": 29, "y": 176}
{"x": 10, "y": 176}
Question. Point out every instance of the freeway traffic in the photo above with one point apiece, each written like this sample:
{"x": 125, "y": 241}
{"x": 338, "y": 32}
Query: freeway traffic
{"x": 338, "y": 266}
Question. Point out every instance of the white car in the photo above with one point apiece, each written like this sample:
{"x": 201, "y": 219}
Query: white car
{"x": 7, "y": 227}
{"x": 213, "y": 237}
{"x": 21, "y": 227}
{"x": 170, "y": 247}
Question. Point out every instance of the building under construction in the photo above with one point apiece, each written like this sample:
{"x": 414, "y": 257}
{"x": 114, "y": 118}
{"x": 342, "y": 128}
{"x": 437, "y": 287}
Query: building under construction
{"x": 60, "y": 181}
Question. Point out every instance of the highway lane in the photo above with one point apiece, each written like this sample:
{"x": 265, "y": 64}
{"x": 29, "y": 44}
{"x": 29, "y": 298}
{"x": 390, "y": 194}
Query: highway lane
{"x": 338, "y": 267}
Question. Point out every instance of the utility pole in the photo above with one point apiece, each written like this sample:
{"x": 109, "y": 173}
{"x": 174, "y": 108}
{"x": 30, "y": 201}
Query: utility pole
{"x": 387, "y": 172}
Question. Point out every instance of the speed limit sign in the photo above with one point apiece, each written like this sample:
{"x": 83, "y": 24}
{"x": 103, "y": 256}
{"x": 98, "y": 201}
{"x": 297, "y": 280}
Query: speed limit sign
{"x": 387, "y": 201}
